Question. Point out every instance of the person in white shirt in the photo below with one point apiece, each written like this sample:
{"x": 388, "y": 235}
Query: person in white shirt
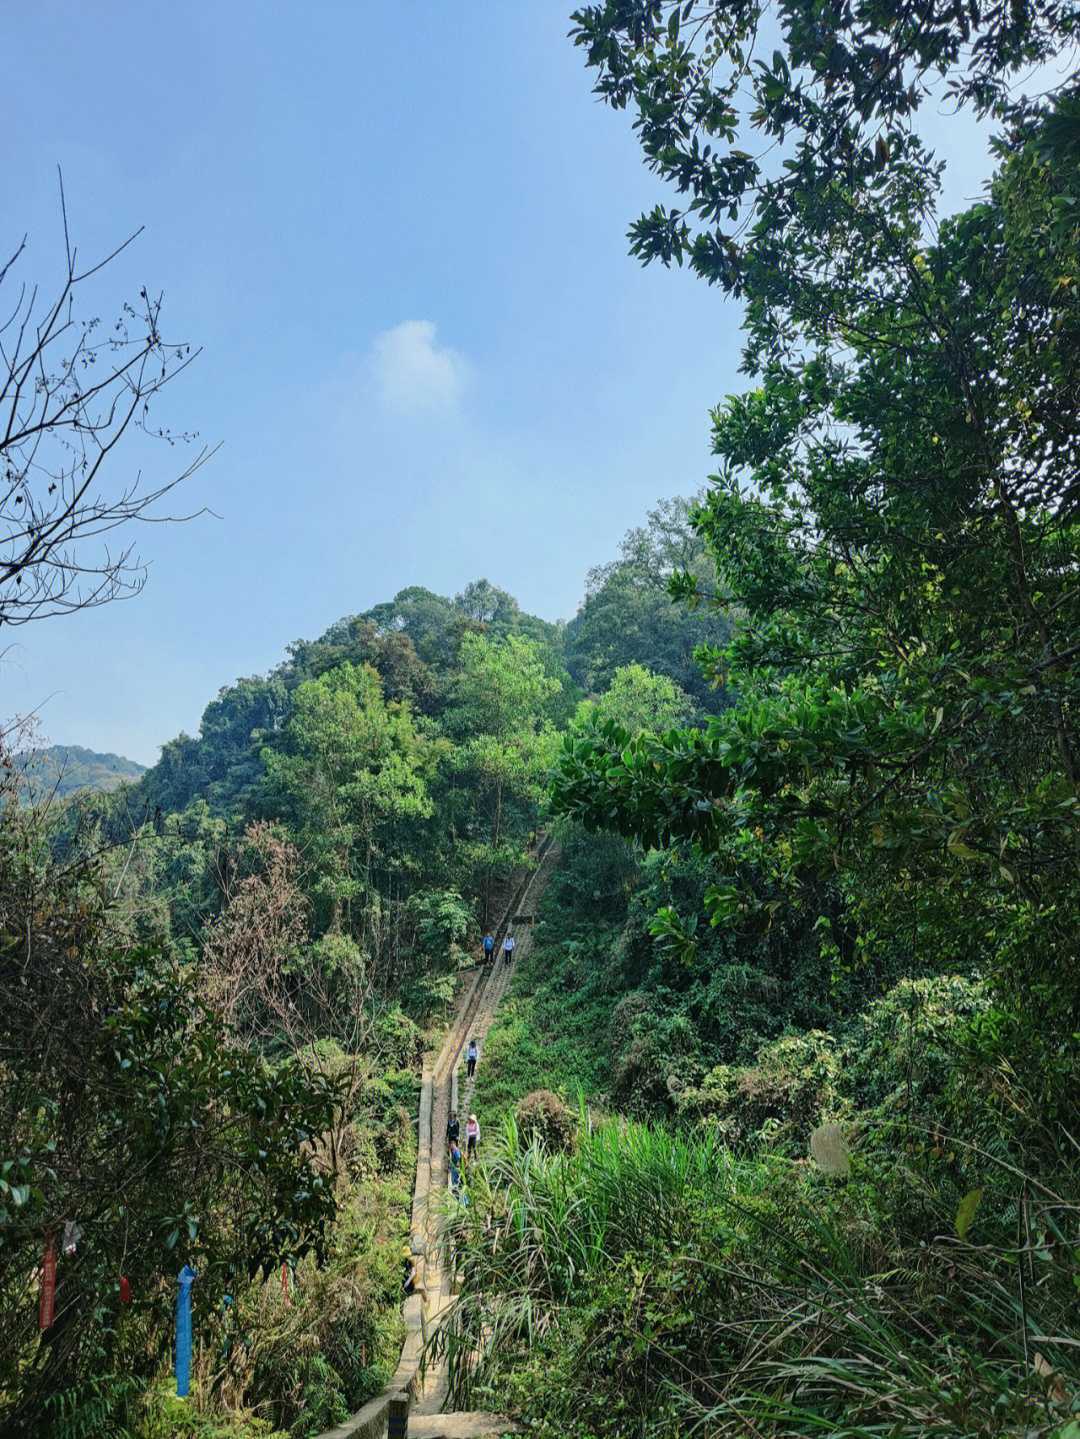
{"x": 472, "y": 1054}
{"x": 508, "y": 948}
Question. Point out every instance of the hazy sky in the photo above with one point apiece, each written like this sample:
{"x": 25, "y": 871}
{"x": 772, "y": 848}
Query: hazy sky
{"x": 398, "y": 233}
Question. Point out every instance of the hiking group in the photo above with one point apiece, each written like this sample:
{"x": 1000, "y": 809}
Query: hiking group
{"x": 509, "y": 945}
{"x": 472, "y": 1140}
{"x": 458, "y": 1163}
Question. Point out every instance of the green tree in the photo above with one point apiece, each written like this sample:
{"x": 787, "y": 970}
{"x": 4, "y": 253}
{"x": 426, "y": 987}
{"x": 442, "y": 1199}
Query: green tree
{"x": 486, "y": 604}
{"x": 128, "y": 1106}
{"x": 627, "y": 616}
{"x": 360, "y": 641}
{"x": 800, "y": 171}
{"x": 503, "y": 692}
{"x": 896, "y": 512}
{"x": 352, "y": 771}
{"x": 638, "y": 701}
{"x": 429, "y": 620}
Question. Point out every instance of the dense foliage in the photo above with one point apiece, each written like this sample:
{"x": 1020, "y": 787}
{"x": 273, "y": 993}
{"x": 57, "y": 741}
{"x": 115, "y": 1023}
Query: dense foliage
{"x": 895, "y": 513}
{"x": 231, "y": 957}
{"x": 127, "y": 1111}
{"x": 644, "y": 1282}
{"x": 817, "y": 951}
{"x": 627, "y": 617}
{"x": 883, "y": 826}
{"x": 210, "y": 987}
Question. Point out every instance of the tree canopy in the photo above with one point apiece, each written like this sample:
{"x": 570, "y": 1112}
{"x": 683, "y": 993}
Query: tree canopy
{"x": 627, "y": 616}
{"x": 895, "y": 508}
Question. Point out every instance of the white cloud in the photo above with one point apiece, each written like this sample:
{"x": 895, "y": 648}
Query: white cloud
{"x": 412, "y": 372}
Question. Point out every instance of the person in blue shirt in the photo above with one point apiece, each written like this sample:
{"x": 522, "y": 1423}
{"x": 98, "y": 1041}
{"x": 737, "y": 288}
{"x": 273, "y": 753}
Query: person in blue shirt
{"x": 489, "y": 946}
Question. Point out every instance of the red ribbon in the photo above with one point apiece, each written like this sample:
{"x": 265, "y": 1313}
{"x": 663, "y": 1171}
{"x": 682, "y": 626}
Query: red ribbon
{"x": 48, "y": 1284}
{"x": 125, "y": 1290}
{"x": 285, "y": 1285}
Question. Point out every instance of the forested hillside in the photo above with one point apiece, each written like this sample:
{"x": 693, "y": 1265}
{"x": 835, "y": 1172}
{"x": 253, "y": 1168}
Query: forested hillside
{"x": 63, "y": 769}
{"x": 263, "y": 932}
{"x": 777, "y": 1112}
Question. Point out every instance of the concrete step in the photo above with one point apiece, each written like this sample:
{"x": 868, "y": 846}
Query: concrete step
{"x": 460, "y": 1426}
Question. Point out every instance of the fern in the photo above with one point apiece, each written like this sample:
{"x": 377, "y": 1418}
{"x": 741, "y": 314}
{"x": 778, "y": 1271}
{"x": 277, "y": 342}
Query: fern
{"x": 97, "y": 1408}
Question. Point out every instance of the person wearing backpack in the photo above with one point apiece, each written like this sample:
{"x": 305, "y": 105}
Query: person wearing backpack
{"x": 489, "y": 947}
{"x": 453, "y": 1128}
{"x": 472, "y": 1054}
{"x": 508, "y": 947}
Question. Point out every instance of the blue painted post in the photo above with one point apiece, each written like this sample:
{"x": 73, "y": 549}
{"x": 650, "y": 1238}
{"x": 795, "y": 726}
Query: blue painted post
{"x": 183, "y": 1332}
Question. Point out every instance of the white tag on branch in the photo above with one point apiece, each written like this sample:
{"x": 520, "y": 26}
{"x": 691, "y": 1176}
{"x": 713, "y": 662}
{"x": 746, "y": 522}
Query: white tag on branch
{"x": 829, "y": 1149}
{"x": 72, "y": 1235}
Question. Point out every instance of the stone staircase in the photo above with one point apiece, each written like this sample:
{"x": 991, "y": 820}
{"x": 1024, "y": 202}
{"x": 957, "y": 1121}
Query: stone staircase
{"x": 415, "y": 1394}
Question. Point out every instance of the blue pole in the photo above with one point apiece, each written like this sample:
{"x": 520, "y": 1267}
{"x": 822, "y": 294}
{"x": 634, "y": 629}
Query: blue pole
{"x": 183, "y": 1332}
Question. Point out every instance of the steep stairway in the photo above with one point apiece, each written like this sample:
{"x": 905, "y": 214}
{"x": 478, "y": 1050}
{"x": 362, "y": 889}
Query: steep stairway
{"x": 445, "y": 1085}
{"x": 455, "y": 1091}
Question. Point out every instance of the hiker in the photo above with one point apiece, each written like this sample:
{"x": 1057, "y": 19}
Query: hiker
{"x": 453, "y": 1129}
{"x": 489, "y": 947}
{"x": 410, "y": 1277}
{"x": 508, "y": 948}
{"x": 472, "y": 1137}
{"x": 455, "y": 1166}
{"x": 472, "y": 1054}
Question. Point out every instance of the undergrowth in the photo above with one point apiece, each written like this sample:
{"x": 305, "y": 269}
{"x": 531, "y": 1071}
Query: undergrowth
{"x": 656, "y": 1282}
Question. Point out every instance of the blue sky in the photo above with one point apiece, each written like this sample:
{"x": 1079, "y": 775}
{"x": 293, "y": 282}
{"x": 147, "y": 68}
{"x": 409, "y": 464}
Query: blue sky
{"x": 398, "y": 234}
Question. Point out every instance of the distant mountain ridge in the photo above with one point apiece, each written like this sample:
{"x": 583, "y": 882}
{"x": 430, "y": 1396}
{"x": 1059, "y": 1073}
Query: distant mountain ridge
{"x": 69, "y": 767}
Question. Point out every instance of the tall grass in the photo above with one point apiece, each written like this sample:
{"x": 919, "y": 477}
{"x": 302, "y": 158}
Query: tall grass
{"x": 653, "y": 1283}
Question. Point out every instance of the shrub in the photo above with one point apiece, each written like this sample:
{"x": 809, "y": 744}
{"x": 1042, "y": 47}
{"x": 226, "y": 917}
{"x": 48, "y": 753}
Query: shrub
{"x": 905, "y": 1042}
{"x": 543, "y": 1116}
{"x": 786, "y": 1092}
{"x": 397, "y": 1037}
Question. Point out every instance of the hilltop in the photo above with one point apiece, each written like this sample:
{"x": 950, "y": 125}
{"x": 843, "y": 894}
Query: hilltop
{"x": 67, "y": 768}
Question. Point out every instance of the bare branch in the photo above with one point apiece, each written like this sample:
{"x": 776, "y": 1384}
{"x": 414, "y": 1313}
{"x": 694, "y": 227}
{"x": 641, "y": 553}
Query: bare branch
{"x": 70, "y": 389}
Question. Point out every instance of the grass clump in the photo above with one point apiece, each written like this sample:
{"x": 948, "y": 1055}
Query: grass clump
{"x": 655, "y": 1282}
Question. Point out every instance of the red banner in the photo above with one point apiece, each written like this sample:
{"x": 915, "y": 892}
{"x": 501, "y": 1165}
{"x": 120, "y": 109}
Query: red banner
{"x": 48, "y": 1285}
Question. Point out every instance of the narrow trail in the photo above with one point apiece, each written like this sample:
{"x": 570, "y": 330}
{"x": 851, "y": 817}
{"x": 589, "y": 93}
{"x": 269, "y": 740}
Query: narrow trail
{"x": 449, "y": 1083}
{"x": 441, "y": 1085}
